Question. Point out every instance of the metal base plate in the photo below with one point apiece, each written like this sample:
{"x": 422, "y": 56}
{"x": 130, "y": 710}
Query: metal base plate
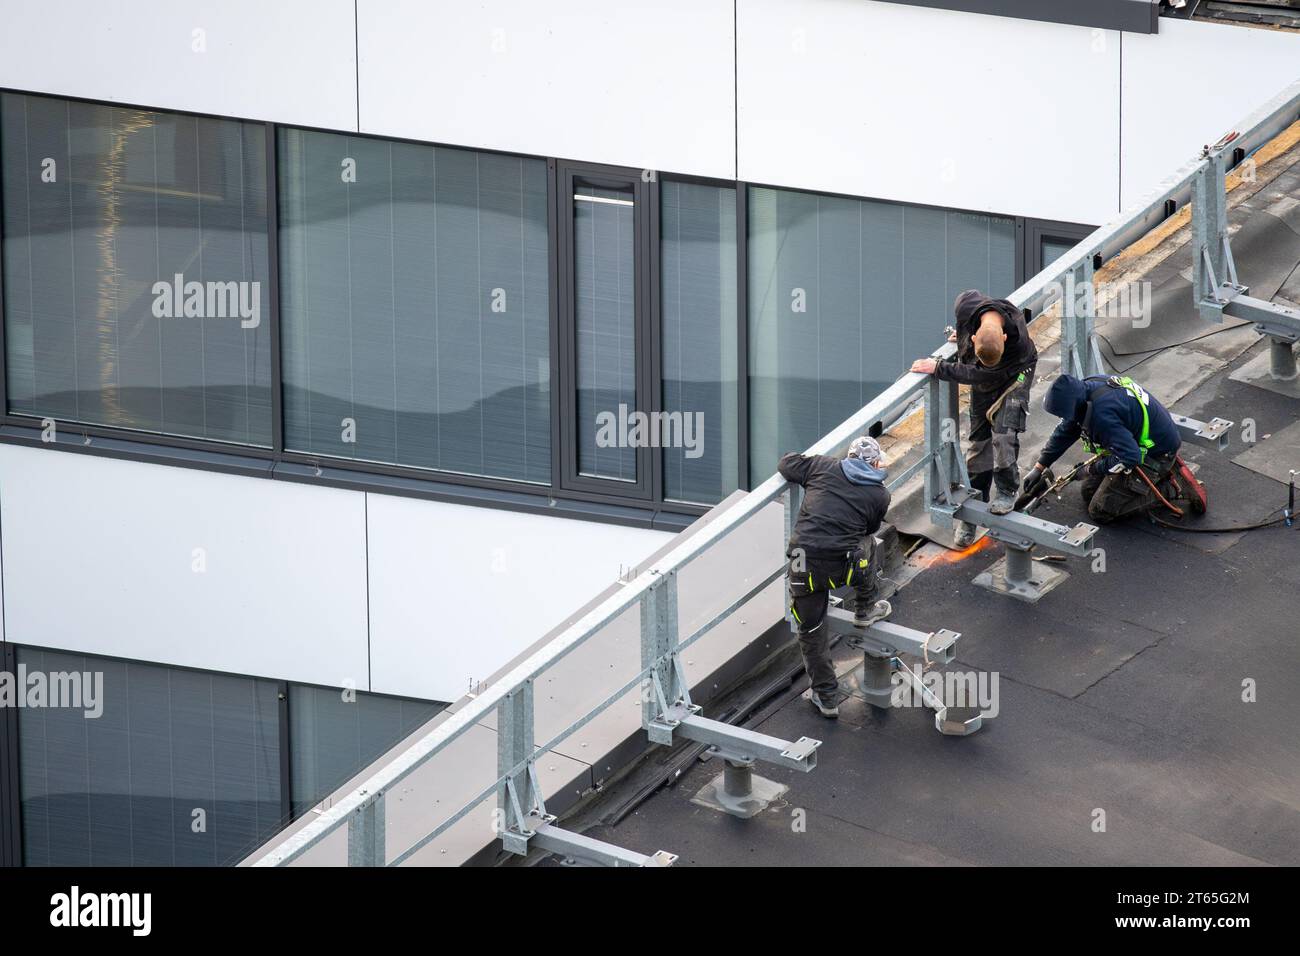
{"x": 959, "y": 721}
{"x": 762, "y": 795}
{"x": 1257, "y": 372}
{"x": 1042, "y": 579}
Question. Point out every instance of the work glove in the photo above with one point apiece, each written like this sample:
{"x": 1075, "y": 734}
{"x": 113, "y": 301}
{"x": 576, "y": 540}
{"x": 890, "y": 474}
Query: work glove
{"x": 1108, "y": 466}
{"x": 1036, "y": 482}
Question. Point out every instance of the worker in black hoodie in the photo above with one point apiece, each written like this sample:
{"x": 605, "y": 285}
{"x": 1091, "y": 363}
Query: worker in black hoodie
{"x": 833, "y": 546}
{"x": 996, "y": 358}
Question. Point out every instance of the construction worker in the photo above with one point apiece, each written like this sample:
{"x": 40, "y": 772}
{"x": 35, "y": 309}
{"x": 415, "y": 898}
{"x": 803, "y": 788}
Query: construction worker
{"x": 1132, "y": 432}
{"x": 832, "y": 546}
{"x": 996, "y": 358}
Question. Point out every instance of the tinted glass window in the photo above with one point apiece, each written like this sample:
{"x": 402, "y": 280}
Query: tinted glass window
{"x": 843, "y": 294}
{"x": 698, "y": 309}
{"x": 180, "y": 768}
{"x": 415, "y": 305}
{"x": 135, "y": 266}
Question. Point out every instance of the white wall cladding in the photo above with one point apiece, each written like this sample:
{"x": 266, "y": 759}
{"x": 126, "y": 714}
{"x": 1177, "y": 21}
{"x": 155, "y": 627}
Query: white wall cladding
{"x": 861, "y": 97}
{"x": 456, "y": 592}
{"x": 291, "y": 61}
{"x": 929, "y": 106}
{"x": 1184, "y": 88}
{"x": 643, "y": 85}
{"x": 98, "y": 557}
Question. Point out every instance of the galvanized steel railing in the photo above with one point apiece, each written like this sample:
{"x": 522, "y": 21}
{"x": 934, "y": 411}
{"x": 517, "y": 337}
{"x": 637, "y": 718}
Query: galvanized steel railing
{"x": 362, "y": 811}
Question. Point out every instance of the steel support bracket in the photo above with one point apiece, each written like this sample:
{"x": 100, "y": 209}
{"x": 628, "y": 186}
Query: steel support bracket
{"x": 661, "y": 729}
{"x": 944, "y": 513}
{"x": 1213, "y": 434}
{"x": 1017, "y": 529}
{"x": 741, "y": 745}
{"x": 577, "y": 849}
{"x": 1276, "y": 321}
{"x": 885, "y": 639}
{"x": 1215, "y": 288}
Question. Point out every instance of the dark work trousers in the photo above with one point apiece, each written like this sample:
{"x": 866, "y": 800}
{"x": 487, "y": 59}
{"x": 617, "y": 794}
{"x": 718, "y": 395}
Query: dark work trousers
{"x": 811, "y": 581}
{"x": 994, "y": 451}
{"x": 1110, "y": 497}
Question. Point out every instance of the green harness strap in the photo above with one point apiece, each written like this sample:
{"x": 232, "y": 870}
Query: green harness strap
{"x": 1145, "y": 443}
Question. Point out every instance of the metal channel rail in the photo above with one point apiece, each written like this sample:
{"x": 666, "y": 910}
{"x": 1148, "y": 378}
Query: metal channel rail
{"x": 667, "y": 710}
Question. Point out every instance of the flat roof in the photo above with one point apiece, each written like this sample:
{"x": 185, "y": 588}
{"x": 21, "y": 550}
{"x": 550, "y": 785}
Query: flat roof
{"x": 1122, "y": 690}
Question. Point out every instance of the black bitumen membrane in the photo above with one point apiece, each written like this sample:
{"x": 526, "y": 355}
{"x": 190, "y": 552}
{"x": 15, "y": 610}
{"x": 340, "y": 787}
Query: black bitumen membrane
{"x": 1120, "y": 691}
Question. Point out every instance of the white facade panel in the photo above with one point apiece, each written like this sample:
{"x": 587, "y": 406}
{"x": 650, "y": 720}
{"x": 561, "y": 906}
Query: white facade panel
{"x": 291, "y": 61}
{"x": 183, "y": 567}
{"x": 457, "y": 591}
{"x": 1185, "y": 87}
{"x": 929, "y": 106}
{"x": 619, "y": 83}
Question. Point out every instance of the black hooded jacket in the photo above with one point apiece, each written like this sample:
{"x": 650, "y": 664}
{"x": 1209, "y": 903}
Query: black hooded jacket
{"x": 1018, "y": 354}
{"x": 844, "y": 501}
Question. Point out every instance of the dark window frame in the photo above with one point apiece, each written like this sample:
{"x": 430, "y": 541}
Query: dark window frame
{"x": 570, "y": 174}
{"x": 11, "y": 830}
{"x": 1030, "y": 234}
{"x": 584, "y": 498}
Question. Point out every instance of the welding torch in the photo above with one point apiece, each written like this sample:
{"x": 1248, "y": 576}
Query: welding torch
{"x": 1051, "y": 484}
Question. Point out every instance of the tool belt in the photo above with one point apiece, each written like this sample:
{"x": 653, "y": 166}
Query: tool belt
{"x": 1010, "y": 412}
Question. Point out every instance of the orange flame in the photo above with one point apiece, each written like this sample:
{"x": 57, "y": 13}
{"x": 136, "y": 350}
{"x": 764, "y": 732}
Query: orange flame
{"x": 955, "y": 557}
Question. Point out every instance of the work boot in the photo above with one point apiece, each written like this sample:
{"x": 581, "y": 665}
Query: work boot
{"x": 1006, "y": 484}
{"x": 864, "y": 615}
{"x": 828, "y": 710}
{"x": 965, "y": 535}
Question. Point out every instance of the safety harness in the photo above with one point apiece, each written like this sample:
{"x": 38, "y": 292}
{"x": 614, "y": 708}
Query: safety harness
{"x": 1145, "y": 443}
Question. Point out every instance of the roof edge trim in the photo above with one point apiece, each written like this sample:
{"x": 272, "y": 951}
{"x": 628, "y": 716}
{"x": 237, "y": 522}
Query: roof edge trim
{"x": 1134, "y": 16}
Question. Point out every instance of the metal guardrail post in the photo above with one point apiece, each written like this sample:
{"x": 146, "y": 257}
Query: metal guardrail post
{"x": 792, "y": 500}
{"x": 366, "y": 837}
{"x": 945, "y": 475}
{"x": 1079, "y": 355}
{"x": 1218, "y": 292}
{"x": 668, "y": 714}
{"x": 1211, "y": 256}
{"x": 658, "y": 645}
{"x": 516, "y": 797}
{"x": 521, "y": 810}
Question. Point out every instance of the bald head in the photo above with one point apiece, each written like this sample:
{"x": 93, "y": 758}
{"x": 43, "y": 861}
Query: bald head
{"x": 989, "y": 338}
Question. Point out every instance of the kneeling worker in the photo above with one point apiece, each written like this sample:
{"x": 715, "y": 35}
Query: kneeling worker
{"x": 1121, "y": 421}
{"x": 831, "y": 547}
